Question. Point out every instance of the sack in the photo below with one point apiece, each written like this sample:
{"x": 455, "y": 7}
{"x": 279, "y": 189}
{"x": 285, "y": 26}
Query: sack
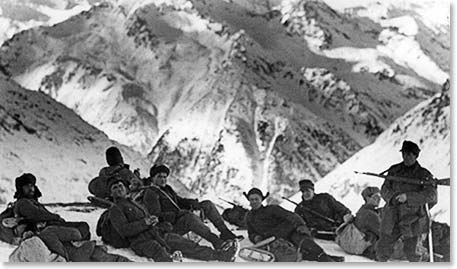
{"x": 108, "y": 233}
{"x": 34, "y": 250}
{"x": 352, "y": 240}
{"x": 283, "y": 251}
{"x": 7, "y": 233}
{"x": 235, "y": 216}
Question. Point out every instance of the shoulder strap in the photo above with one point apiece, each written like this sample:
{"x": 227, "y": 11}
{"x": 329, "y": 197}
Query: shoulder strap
{"x": 167, "y": 196}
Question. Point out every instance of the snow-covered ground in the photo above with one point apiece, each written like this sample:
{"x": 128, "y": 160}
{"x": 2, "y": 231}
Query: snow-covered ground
{"x": 70, "y": 214}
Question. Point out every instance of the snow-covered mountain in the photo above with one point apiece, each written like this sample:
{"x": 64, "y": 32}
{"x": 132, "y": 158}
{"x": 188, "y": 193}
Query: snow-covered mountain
{"x": 40, "y": 136}
{"x": 19, "y": 15}
{"x": 428, "y": 124}
{"x": 231, "y": 94}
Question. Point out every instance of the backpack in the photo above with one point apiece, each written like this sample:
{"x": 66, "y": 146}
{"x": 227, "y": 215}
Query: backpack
{"x": 108, "y": 233}
{"x": 7, "y": 233}
{"x": 351, "y": 239}
{"x": 235, "y": 216}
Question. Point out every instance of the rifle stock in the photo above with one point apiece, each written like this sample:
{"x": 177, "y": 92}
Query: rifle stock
{"x": 425, "y": 182}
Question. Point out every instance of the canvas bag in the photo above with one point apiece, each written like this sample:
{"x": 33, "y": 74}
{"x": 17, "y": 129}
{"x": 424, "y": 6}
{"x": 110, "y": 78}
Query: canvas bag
{"x": 351, "y": 239}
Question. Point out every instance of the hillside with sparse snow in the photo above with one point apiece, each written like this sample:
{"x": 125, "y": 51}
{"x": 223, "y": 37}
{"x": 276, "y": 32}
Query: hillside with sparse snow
{"x": 429, "y": 125}
{"x": 40, "y": 136}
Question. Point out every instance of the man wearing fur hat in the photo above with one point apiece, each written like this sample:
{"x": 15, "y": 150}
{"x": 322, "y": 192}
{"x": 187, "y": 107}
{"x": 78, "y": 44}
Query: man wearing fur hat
{"x": 55, "y": 232}
{"x": 161, "y": 200}
{"x": 368, "y": 219}
{"x": 135, "y": 224}
{"x": 405, "y": 211}
{"x": 272, "y": 220}
{"x": 323, "y": 204}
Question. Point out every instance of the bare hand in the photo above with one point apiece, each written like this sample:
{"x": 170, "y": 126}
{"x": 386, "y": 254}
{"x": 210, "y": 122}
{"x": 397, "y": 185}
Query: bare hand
{"x": 348, "y": 217}
{"x": 401, "y": 198}
{"x": 151, "y": 220}
{"x": 303, "y": 229}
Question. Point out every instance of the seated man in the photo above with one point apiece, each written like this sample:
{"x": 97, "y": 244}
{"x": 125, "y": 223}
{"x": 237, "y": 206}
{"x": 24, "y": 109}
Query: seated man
{"x": 136, "y": 225}
{"x": 323, "y": 204}
{"x": 272, "y": 220}
{"x": 116, "y": 165}
{"x": 161, "y": 200}
{"x": 368, "y": 219}
{"x": 55, "y": 232}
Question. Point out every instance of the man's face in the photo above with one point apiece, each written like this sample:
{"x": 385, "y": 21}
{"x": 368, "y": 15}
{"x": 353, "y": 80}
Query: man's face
{"x": 409, "y": 158}
{"x": 118, "y": 190}
{"x": 160, "y": 179}
{"x": 255, "y": 201}
{"x": 135, "y": 184}
{"x": 307, "y": 194}
{"x": 374, "y": 199}
{"x": 29, "y": 190}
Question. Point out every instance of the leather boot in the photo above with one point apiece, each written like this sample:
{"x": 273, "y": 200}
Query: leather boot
{"x": 81, "y": 253}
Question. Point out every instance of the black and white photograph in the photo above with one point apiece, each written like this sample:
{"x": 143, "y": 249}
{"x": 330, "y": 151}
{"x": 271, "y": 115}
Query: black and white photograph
{"x": 225, "y": 131}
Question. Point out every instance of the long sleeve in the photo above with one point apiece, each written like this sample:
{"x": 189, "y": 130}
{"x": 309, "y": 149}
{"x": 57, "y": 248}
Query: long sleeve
{"x": 428, "y": 194}
{"x": 122, "y": 226}
{"x": 30, "y": 211}
{"x": 251, "y": 231}
{"x": 281, "y": 213}
{"x": 339, "y": 210}
{"x": 387, "y": 192}
{"x": 151, "y": 201}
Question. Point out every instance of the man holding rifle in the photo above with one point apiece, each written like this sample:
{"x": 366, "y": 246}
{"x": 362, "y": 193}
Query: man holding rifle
{"x": 405, "y": 213}
{"x": 321, "y": 212}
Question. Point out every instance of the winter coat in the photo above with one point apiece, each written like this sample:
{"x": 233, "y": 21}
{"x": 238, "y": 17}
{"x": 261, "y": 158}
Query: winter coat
{"x": 411, "y": 216}
{"x": 33, "y": 214}
{"x": 272, "y": 220}
{"x": 368, "y": 221}
{"x": 326, "y": 205}
{"x": 127, "y": 218}
{"x": 157, "y": 201}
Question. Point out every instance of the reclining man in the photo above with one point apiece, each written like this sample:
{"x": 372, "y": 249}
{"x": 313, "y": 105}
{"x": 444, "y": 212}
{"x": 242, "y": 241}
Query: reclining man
{"x": 161, "y": 200}
{"x": 272, "y": 220}
{"x": 55, "y": 232}
{"x": 135, "y": 224}
{"x": 323, "y": 204}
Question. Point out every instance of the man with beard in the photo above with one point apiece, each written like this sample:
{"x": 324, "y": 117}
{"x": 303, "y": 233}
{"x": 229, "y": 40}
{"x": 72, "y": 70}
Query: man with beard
{"x": 405, "y": 211}
{"x": 272, "y": 220}
{"x": 55, "y": 232}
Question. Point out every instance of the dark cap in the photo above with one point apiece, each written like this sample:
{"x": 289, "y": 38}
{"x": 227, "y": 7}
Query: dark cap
{"x": 306, "y": 184}
{"x": 369, "y": 191}
{"x": 159, "y": 168}
{"x": 23, "y": 180}
{"x": 113, "y": 156}
{"x": 409, "y": 146}
{"x": 255, "y": 191}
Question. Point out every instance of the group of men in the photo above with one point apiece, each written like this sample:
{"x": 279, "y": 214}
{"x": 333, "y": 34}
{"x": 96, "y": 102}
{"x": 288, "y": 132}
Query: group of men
{"x": 152, "y": 217}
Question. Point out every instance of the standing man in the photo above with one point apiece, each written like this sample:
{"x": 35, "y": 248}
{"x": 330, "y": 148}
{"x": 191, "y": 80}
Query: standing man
{"x": 161, "y": 200}
{"x": 273, "y": 220}
{"x": 323, "y": 204}
{"x": 405, "y": 213}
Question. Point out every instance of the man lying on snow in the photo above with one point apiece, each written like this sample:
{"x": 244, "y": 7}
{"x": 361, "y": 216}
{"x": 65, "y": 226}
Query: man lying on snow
{"x": 59, "y": 236}
{"x": 135, "y": 224}
{"x": 272, "y": 220}
{"x": 161, "y": 200}
{"x": 323, "y": 204}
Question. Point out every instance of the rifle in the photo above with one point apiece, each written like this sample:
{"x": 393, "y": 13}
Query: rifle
{"x": 424, "y": 182}
{"x": 231, "y": 203}
{"x": 319, "y": 215}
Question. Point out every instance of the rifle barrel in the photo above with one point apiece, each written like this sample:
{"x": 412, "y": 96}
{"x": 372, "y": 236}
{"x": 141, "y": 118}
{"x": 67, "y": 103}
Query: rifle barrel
{"x": 311, "y": 211}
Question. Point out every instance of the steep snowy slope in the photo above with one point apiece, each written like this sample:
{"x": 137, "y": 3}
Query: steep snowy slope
{"x": 428, "y": 124}
{"x": 40, "y": 136}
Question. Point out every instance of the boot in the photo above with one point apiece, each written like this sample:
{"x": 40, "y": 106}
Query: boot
{"x": 81, "y": 253}
{"x": 227, "y": 252}
{"x": 324, "y": 257}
